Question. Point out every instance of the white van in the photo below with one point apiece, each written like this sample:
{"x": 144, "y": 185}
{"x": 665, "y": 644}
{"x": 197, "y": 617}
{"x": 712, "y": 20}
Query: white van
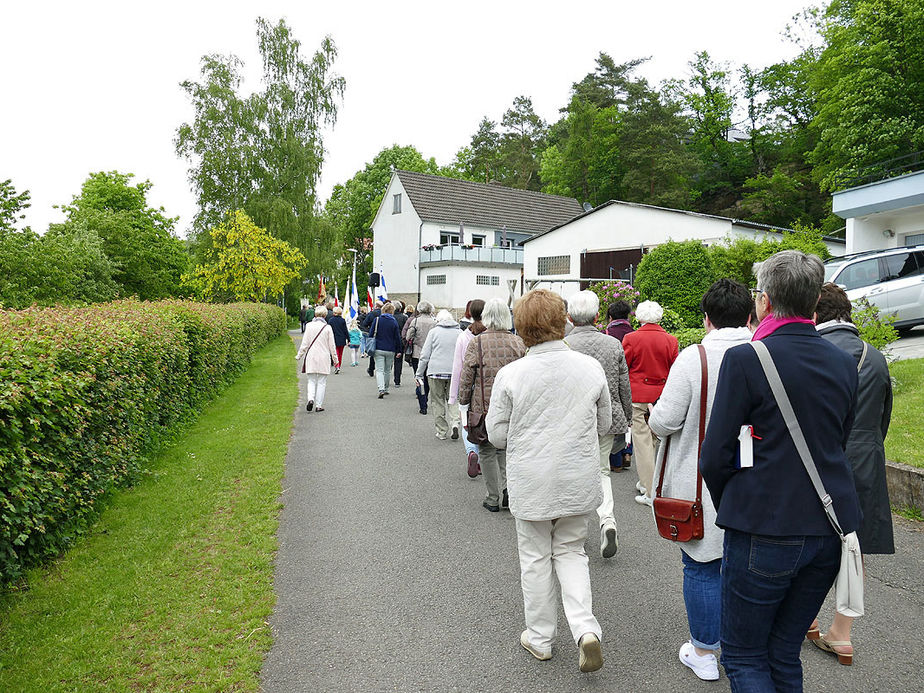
{"x": 891, "y": 279}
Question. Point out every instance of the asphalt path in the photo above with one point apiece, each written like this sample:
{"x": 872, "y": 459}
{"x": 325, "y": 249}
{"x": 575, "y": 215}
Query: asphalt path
{"x": 390, "y": 576}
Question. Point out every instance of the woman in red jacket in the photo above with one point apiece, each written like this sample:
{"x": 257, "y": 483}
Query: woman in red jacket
{"x": 650, "y": 351}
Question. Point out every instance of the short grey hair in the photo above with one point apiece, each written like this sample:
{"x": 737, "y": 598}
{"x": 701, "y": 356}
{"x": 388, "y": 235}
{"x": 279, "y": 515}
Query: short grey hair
{"x": 338, "y": 310}
{"x": 425, "y": 307}
{"x": 320, "y": 312}
{"x": 496, "y": 315}
{"x": 398, "y": 306}
{"x": 792, "y": 281}
{"x": 444, "y": 315}
{"x": 649, "y": 312}
{"x": 583, "y": 308}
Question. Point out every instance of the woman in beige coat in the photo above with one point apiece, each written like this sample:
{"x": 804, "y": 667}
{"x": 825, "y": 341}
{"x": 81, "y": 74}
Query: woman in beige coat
{"x": 318, "y": 348}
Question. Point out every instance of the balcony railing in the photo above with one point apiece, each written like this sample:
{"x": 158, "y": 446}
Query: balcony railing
{"x": 882, "y": 170}
{"x": 461, "y": 253}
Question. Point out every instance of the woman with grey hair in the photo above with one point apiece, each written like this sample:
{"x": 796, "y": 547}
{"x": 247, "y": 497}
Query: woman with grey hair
{"x": 650, "y": 351}
{"x": 435, "y": 366}
{"x": 485, "y": 355}
{"x": 415, "y": 335}
{"x": 587, "y": 339}
{"x": 781, "y": 553}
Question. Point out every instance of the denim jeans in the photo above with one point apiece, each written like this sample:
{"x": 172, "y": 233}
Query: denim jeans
{"x": 384, "y": 362}
{"x": 772, "y": 588}
{"x": 702, "y": 594}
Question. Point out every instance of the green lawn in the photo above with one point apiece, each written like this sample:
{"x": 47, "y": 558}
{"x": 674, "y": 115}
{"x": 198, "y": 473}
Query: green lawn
{"x": 906, "y": 432}
{"x": 173, "y": 587}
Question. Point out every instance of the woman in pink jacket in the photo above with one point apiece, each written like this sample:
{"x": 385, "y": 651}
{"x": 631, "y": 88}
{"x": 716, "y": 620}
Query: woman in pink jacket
{"x": 318, "y": 348}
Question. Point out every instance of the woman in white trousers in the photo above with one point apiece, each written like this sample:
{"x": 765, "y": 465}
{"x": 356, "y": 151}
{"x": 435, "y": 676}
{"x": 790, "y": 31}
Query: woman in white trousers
{"x": 319, "y": 351}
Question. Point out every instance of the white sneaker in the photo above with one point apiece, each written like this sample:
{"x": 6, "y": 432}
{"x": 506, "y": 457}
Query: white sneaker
{"x": 640, "y": 488}
{"x": 643, "y": 500}
{"x": 591, "y": 657}
{"x": 535, "y": 652}
{"x": 609, "y": 543}
{"x": 706, "y": 667}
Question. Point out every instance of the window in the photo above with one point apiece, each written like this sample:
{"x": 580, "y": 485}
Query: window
{"x": 555, "y": 264}
{"x": 487, "y": 280}
{"x": 914, "y": 239}
{"x": 900, "y": 265}
{"x": 396, "y": 204}
{"x": 865, "y": 273}
{"x": 478, "y": 241}
{"x": 450, "y": 238}
{"x": 436, "y": 279}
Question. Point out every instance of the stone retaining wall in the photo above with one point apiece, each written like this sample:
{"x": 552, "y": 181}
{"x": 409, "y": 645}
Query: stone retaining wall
{"x": 906, "y": 485}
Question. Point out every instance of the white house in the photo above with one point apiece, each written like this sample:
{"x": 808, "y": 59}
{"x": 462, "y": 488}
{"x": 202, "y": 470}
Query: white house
{"x": 449, "y": 241}
{"x": 608, "y": 242}
{"x": 884, "y": 212}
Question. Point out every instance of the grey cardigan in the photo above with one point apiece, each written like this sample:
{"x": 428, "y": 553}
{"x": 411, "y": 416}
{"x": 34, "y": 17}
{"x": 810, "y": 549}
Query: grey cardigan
{"x": 676, "y": 415}
{"x": 587, "y": 339}
{"x": 439, "y": 350}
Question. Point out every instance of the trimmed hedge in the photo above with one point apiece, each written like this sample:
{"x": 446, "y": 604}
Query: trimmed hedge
{"x": 86, "y": 392}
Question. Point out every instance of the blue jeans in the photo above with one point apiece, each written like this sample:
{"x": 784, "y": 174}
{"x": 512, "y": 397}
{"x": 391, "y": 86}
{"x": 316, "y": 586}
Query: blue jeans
{"x": 384, "y": 362}
{"x": 772, "y": 588}
{"x": 702, "y": 594}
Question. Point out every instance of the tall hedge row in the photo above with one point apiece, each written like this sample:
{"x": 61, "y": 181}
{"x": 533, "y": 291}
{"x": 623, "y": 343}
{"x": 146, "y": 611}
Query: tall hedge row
{"x": 85, "y": 392}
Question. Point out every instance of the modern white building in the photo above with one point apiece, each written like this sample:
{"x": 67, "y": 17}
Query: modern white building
{"x": 884, "y": 209}
{"x": 609, "y": 241}
{"x": 449, "y": 241}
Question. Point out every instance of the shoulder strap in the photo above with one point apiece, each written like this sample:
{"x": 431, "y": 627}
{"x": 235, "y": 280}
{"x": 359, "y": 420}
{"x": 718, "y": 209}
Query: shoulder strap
{"x": 703, "y": 391}
{"x": 316, "y": 339}
{"x": 484, "y": 404}
{"x": 376, "y": 333}
{"x": 795, "y": 430}
{"x": 863, "y": 356}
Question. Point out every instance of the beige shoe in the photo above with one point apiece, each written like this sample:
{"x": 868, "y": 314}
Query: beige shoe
{"x": 591, "y": 653}
{"x": 528, "y": 646}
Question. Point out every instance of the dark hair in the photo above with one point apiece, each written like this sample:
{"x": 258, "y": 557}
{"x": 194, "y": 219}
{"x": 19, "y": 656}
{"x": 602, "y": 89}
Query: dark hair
{"x": 727, "y": 303}
{"x": 618, "y": 311}
{"x": 468, "y": 309}
{"x": 475, "y": 309}
{"x": 833, "y": 304}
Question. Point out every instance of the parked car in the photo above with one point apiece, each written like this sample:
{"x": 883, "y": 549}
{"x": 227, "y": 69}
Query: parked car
{"x": 892, "y": 280}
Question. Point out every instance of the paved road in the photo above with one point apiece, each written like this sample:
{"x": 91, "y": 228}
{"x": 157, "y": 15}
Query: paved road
{"x": 391, "y": 577}
{"x": 911, "y": 346}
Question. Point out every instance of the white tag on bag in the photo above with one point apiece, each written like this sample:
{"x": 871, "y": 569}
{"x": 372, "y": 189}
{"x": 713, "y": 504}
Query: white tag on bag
{"x": 746, "y": 447}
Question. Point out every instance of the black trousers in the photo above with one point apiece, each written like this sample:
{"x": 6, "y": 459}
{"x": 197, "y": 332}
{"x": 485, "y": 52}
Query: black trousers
{"x": 399, "y": 365}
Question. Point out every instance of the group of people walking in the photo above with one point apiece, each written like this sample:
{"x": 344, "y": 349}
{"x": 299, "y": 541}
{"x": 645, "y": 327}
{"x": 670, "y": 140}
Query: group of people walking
{"x": 543, "y": 398}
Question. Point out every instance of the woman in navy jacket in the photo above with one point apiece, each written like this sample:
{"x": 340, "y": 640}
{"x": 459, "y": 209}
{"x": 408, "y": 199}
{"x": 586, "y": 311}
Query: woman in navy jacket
{"x": 387, "y": 346}
{"x": 781, "y": 554}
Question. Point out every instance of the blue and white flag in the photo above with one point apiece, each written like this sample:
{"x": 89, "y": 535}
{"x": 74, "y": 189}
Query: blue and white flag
{"x": 353, "y": 297}
{"x": 381, "y": 291}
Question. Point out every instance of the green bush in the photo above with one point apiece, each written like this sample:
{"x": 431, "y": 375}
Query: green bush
{"x": 86, "y": 392}
{"x": 676, "y": 275}
{"x": 875, "y": 328}
{"x": 689, "y": 335}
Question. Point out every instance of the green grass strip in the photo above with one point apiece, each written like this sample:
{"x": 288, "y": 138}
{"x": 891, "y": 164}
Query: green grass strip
{"x": 903, "y": 444}
{"x": 172, "y": 588}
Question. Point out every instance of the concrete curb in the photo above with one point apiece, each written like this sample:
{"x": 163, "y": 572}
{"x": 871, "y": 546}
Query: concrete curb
{"x": 906, "y": 485}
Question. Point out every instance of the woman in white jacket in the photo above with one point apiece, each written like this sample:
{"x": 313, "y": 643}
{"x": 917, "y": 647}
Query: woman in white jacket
{"x": 727, "y": 308}
{"x": 319, "y": 349}
{"x": 548, "y": 410}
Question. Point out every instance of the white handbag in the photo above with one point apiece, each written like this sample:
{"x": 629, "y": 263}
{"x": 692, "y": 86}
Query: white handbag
{"x": 848, "y": 588}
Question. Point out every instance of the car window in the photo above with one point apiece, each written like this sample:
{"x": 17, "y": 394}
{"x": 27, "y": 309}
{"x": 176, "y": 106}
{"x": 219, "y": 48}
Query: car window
{"x": 859, "y": 274}
{"x": 832, "y": 268}
{"x": 901, "y": 265}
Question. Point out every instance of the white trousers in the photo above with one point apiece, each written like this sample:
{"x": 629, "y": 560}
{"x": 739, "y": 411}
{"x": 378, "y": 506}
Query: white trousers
{"x": 605, "y": 511}
{"x": 317, "y": 386}
{"x": 559, "y": 545}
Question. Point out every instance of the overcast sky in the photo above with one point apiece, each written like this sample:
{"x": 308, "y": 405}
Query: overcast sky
{"x": 88, "y": 85}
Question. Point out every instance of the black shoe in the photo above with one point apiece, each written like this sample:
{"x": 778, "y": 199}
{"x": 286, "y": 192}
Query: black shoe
{"x": 310, "y": 405}
{"x": 381, "y": 395}
{"x": 505, "y": 501}
{"x": 455, "y": 433}
{"x": 423, "y": 411}
{"x": 490, "y": 508}
{"x": 397, "y": 384}
{"x": 387, "y": 392}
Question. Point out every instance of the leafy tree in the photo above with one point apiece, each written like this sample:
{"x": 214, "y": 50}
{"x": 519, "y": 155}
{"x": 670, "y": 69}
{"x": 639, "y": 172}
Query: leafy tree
{"x": 676, "y": 275}
{"x": 352, "y": 206}
{"x": 245, "y": 263}
{"x": 147, "y": 258}
{"x": 263, "y": 153}
{"x": 12, "y": 205}
{"x": 610, "y": 84}
{"x": 481, "y": 160}
{"x": 521, "y": 142}
{"x": 868, "y": 85}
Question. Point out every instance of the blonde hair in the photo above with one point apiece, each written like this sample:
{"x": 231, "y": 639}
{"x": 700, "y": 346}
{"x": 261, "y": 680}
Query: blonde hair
{"x": 539, "y": 316}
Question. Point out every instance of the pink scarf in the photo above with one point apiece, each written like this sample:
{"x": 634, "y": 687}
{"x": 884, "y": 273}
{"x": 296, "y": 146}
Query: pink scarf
{"x": 771, "y": 324}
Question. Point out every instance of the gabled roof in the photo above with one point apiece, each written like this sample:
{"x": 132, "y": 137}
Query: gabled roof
{"x": 453, "y": 201}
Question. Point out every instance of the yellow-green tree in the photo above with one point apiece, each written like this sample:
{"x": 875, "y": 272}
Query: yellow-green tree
{"x": 245, "y": 263}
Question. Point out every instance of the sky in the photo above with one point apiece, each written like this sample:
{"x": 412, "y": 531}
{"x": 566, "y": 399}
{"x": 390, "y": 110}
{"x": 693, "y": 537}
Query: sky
{"x": 95, "y": 85}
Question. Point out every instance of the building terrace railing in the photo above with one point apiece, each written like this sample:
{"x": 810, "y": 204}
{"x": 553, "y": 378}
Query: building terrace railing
{"x": 882, "y": 170}
{"x": 463, "y": 253}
